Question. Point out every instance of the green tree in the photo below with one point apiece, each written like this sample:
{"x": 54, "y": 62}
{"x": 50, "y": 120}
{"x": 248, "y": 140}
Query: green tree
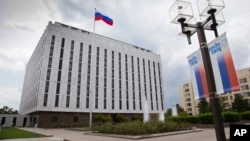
{"x": 204, "y": 106}
{"x": 179, "y": 108}
{"x": 240, "y": 104}
{"x": 169, "y": 112}
{"x": 8, "y": 110}
{"x": 180, "y": 111}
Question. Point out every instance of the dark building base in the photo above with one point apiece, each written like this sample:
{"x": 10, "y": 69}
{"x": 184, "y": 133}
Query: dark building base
{"x": 68, "y": 119}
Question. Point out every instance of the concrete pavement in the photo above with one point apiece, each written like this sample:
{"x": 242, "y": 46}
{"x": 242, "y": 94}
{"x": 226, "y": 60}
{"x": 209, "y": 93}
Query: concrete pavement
{"x": 61, "y": 134}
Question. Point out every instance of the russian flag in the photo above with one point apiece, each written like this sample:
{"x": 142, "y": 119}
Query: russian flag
{"x": 106, "y": 19}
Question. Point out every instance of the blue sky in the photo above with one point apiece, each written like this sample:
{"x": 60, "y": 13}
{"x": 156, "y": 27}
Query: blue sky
{"x": 144, "y": 23}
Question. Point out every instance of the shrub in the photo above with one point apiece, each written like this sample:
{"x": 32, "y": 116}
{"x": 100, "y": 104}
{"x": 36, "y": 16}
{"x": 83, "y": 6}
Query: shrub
{"x": 174, "y": 126}
{"x": 137, "y": 118}
{"x": 132, "y": 128}
{"x": 100, "y": 118}
{"x": 140, "y": 128}
{"x": 192, "y": 119}
{"x": 206, "y": 118}
{"x": 177, "y": 119}
{"x": 153, "y": 117}
{"x": 120, "y": 118}
{"x": 104, "y": 128}
{"x": 231, "y": 116}
{"x": 154, "y": 127}
{"x": 183, "y": 114}
{"x": 245, "y": 115}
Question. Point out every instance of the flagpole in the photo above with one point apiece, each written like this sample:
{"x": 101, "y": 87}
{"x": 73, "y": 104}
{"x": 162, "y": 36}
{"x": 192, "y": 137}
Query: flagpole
{"x": 94, "y": 22}
{"x": 91, "y": 97}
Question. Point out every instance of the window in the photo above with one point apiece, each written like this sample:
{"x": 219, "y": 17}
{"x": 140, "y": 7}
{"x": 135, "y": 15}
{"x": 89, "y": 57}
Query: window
{"x": 57, "y": 101}
{"x": 187, "y": 95}
{"x": 68, "y": 89}
{"x": 244, "y": 87}
{"x": 87, "y": 102}
{"x": 186, "y": 90}
{"x": 58, "y": 88}
{"x": 70, "y": 66}
{"x": 185, "y": 85}
{"x": 62, "y": 43}
{"x": 188, "y": 99}
{"x": 59, "y": 76}
{"x": 113, "y": 104}
{"x": 246, "y": 94}
{"x": 77, "y": 102}
{"x": 61, "y": 53}
{"x": 243, "y": 80}
{"x": 188, "y": 104}
{"x": 60, "y": 64}
{"x": 96, "y": 102}
{"x": 45, "y": 99}
{"x": 67, "y": 101}
{"x": 50, "y": 62}
{"x": 105, "y": 103}
{"x": 47, "y": 87}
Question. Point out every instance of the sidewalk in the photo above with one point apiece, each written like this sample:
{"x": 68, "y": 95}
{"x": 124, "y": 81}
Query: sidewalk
{"x": 61, "y": 134}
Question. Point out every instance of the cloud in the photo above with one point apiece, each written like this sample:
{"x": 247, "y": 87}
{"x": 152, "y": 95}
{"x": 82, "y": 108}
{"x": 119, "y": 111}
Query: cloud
{"x": 11, "y": 61}
{"x": 10, "y": 96}
{"x": 144, "y": 23}
{"x": 237, "y": 35}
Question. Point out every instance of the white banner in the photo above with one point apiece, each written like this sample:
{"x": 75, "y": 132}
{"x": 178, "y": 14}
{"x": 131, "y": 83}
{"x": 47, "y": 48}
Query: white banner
{"x": 223, "y": 68}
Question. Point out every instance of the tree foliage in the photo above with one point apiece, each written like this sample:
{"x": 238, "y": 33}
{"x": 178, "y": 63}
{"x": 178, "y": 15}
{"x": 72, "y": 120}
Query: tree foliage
{"x": 204, "y": 106}
{"x": 179, "y": 108}
{"x": 169, "y": 112}
{"x": 240, "y": 104}
{"x": 180, "y": 111}
{"x": 8, "y": 110}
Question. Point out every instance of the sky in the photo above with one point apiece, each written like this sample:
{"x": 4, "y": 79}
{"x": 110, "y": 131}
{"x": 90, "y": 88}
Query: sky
{"x": 144, "y": 23}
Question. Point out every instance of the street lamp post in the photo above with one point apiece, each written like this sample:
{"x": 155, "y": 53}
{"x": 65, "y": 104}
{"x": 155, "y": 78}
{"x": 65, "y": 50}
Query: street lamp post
{"x": 181, "y": 13}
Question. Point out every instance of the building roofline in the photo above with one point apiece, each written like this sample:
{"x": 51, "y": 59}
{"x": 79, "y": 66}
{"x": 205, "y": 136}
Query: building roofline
{"x": 84, "y": 31}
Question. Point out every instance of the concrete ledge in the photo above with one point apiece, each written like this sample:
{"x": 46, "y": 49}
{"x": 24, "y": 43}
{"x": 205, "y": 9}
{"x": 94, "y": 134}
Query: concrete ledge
{"x": 142, "y": 136}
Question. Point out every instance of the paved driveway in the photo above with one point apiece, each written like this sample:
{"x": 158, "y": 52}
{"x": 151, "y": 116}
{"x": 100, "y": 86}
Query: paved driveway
{"x": 60, "y": 134}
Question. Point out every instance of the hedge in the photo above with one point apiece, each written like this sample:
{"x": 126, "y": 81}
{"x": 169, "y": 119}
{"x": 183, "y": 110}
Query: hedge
{"x": 245, "y": 115}
{"x": 140, "y": 128}
{"x": 206, "y": 118}
{"x": 231, "y": 116}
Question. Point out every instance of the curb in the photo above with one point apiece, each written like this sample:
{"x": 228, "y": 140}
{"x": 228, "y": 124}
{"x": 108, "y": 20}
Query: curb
{"x": 143, "y": 136}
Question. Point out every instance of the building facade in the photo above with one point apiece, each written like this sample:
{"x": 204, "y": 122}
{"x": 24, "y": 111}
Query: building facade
{"x": 73, "y": 73}
{"x": 14, "y": 120}
{"x": 189, "y": 104}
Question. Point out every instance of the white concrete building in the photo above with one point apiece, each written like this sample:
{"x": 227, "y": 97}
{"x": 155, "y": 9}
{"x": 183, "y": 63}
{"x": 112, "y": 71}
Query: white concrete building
{"x": 73, "y": 72}
{"x": 12, "y": 120}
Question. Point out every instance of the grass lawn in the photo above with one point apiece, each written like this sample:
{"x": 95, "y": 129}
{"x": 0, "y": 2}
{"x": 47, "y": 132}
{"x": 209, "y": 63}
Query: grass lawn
{"x": 14, "y": 133}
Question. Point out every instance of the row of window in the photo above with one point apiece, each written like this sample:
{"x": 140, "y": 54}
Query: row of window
{"x": 45, "y": 99}
{"x": 96, "y": 95}
{"x": 97, "y": 78}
